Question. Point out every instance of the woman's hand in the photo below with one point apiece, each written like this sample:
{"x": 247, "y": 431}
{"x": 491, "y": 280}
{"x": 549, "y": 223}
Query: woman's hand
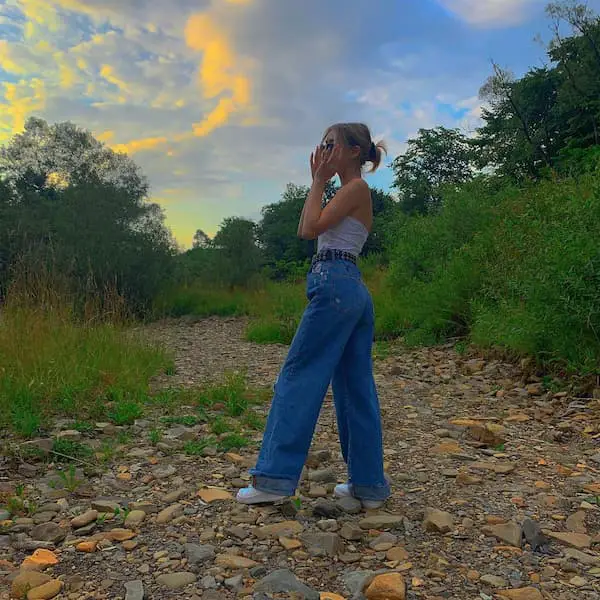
{"x": 322, "y": 163}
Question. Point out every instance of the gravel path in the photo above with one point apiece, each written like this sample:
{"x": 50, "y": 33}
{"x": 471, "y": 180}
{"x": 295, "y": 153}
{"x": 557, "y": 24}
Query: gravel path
{"x": 496, "y": 490}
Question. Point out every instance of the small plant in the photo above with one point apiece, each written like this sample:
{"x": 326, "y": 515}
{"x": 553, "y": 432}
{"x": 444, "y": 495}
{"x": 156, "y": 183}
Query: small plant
{"x": 155, "y": 436}
{"x": 187, "y": 420}
{"x": 254, "y": 421}
{"x": 83, "y": 426}
{"x": 461, "y": 347}
{"x": 69, "y": 479}
{"x": 220, "y": 426}
{"x": 197, "y": 447}
{"x": 107, "y": 452}
{"x": 125, "y": 412}
{"x": 124, "y": 437}
{"x": 66, "y": 450}
{"x": 26, "y": 423}
{"x": 233, "y": 441}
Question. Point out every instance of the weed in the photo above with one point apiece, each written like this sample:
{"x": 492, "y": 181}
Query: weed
{"x": 197, "y": 447}
{"x": 125, "y": 412}
{"x": 233, "y": 441}
{"x": 69, "y": 479}
{"x": 66, "y": 450}
{"x": 187, "y": 420}
{"x": 83, "y": 426}
{"x": 220, "y": 426}
{"x": 155, "y": 436}
{"x": 253, "y": 420}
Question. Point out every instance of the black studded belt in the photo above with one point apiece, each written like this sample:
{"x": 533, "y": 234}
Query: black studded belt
{"x": 330, "y": 254}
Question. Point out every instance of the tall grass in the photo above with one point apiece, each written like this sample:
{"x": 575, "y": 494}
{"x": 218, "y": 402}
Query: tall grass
{"x": 59, "y": 356}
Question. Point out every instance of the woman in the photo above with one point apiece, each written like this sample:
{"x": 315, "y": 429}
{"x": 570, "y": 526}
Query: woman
{"x": 333, "y": 342}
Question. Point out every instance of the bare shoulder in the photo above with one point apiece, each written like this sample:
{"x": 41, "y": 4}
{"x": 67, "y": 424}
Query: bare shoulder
{"x": 358, "y": 188}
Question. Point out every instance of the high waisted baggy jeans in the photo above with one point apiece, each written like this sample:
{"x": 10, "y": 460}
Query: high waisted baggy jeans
{"x": 333, "y": 344}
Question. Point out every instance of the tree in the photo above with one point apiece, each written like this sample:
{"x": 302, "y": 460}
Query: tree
{"x": 239, "y": 253}
{"x": 73, "y": 207}
{"x": 201, "y": 240}
{"x": 436, "y": 157}
{"x": 384, "y": 209}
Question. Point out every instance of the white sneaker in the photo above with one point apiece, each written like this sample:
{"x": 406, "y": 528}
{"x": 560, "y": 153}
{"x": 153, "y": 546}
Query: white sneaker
{"x": 250, "y": 495}
{"x": 343, "y": 491}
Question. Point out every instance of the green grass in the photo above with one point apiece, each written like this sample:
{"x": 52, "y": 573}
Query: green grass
{"x": 52, "y": 365}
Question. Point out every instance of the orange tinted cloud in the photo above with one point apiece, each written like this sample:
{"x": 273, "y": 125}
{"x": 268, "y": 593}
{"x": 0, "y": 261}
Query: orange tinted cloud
{"x": 137, "y": 145}
{"x": 20, "y": 99}
{"x": 220, "y": 71}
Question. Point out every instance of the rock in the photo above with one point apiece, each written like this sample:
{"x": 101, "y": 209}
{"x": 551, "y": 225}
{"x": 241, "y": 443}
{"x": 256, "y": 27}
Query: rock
{"x": 317, "y": 491}
{"x": 438, "y": 520}
{"x": 163, "y": 471}
{"x": 326, "y": 508}
{"x": 323, "y": 476}
{"x": 349, "y": 505}
{"x": 238, "y": 532}
{"x": 526, "y": 593}
{"x": 88, "y": 546}
{"x": 129, "y": 545}
{"x": 71, "y": 435}
{"x": 576, "y": 540}
{"x": 168, "y": 514}
{"x": 45, "y": 591}
{"x": 48, "y": 532}
{"x": 350, "y": 531}
{"x": 278, "y": 529}
{"x": 119, "y": 535}
{"x": 105, "y": 506}
{"x": 84, "y": 519}
{"x": 233, "y": 561}
{"x": 135, "y": 517}
{"x": 511, "y": 533}
{"x": 39, "y": 559}
{"x": 4, "y": 515}
{"x": 134, "y": 590}
{"x": 397, "y": 554}
{"x": 576, "y": 522}
{"x": 389, "y": 586}
{"x": 381, "y": 521}
{"x": 211, "y": 495}
{"x": 465, "y": 479}
{"x": 578, "y": 581}
{"x": 290, "y": 544}
{"x": 176, "y": 495}
{"x": 582, "y": 557}
{"x": 27, "y": 580}
{"x": 209, "y": 582}
{"x": 198, "y": 554}
{"x": 235, "y": 583}
{"x": 284, "y": 581}
{"x": 176, "y": 581}
{"x": 323, "y": 543}
{"x": 494, "y": 581}
{"x": 385, "y": 539}
{"x": 43, "y": 517}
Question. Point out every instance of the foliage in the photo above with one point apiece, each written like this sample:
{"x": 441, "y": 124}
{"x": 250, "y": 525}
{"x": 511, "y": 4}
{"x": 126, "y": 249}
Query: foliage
{"x": 436, "y": 157}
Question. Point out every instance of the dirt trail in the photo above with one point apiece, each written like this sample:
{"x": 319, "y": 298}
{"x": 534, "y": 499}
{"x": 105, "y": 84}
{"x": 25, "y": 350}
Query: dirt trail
{"x": 474, "y": 451}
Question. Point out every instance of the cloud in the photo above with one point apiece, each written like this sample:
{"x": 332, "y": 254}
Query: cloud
{"x": 20, "y": 100}
{"x": 492, "y": 13}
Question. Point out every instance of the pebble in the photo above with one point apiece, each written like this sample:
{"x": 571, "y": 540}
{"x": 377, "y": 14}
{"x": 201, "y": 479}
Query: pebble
{"x": 381, "y": 521}
{"x": 176, "y": 581}
{"x": 84, "y": 519}
{"x": 388, "y": 586}
{"x": 197, "y": 554}
{"x": 135, "y": 517}
{"x": 494, "y": 581}
{"x": 438, "y": 521}
{"x": 350, "y": 505}
{"x": 283, "y": 581}
{"x": 48, "y": 532}
{"x": 45, "y": 591}
{"x": 26, "y": 580}
{"x": 168, "y": 514}
{"x": 511, "y": 533}
{"x": 134, "y": 590}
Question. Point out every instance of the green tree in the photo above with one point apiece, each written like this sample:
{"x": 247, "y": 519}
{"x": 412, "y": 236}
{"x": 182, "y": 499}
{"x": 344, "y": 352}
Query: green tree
{"x": 436, "y": 157}
{"x": 73, "y": 207}
{"x": 201, "y": 240}
{"x": 240, "y": 257}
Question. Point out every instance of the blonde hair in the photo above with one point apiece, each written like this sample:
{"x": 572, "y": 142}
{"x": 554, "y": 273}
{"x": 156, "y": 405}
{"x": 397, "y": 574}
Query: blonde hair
{"x": 358, "y": 134}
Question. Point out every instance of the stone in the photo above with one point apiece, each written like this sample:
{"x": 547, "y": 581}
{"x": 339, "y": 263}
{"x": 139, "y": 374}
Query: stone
{"x": 386, "y": 539}
{"x": 105, "y": 506}
{"x": 283, "y": 581}
{"x": 135, "y": 517}
{"x": 388, "y": 586}
{"x": 576, "y": 522}
{"x": 465, "y": 479}
{"x": 168, "y": 514}
{"x": 582, "y": 557}
{"x": 210, "y": 495}
{"x": 88, "y": 546}
{"x": 4, "y": 515}
{"x": 317, "y": 491}
{"x": 578, "y": 581}
{"x": 510, "y": 533}
{"x": 71, "y": 435}
{"x": 330, "y": 596}
{"x": 119, "y": 535}
{"x": 175, "y": 495}
{"x": 290, "y": 544}
{"x": 318, "y": 544}
{"x": 134, "y": 590}
{"x": 48, "y": 532}
{"x": 164, "y": 471}
{"x": 43, "y": 517}
{"x": 350, "y": 505}
{"x": 494, "y": 581}
{"x": 209, "y": 582}
{"x": 397, "y": 554}
{"x": 278, "y": 529}
{"x": 525, "y": 593}
{"x": 438, "y": 521}
{"x": 326, "y": 508}
{"x": 40, "y": 558}
{"x": 233, "y": 561}
{"x": 197, "y": 554}
{"x": 89, "y": 516}
{"x": 349, "y": 531}
{"x": 45, "y": 591}
{"x": 381, "y": 521}
{"x": 27, "y": 580}
{"x": 576, "y": 540}
{"x": 235, "y": 582}
{"x": 129, "y": 545}
{"x": 176, "y": 581}
{"x": 322, "y": 476}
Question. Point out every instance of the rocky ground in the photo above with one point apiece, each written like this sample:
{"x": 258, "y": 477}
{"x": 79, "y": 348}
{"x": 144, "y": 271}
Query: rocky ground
{"x": 496, "y": 495}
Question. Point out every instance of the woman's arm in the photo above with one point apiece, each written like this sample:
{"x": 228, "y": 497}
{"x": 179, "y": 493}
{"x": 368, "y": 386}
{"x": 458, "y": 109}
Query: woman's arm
{"x": 316, "y": 220}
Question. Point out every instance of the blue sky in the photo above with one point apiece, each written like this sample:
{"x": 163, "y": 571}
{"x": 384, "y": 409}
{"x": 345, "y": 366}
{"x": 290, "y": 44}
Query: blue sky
{"x": 221, "y": 101}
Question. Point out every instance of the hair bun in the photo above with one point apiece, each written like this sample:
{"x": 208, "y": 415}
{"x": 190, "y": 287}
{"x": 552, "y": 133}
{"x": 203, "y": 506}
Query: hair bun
{"x": 373, "y": 151}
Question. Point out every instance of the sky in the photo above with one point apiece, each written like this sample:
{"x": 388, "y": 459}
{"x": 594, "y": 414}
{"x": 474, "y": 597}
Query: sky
{"x": 221, "y": 101}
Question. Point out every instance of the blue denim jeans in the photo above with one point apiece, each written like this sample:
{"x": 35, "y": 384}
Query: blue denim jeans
{"x": 333, "y": 344}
